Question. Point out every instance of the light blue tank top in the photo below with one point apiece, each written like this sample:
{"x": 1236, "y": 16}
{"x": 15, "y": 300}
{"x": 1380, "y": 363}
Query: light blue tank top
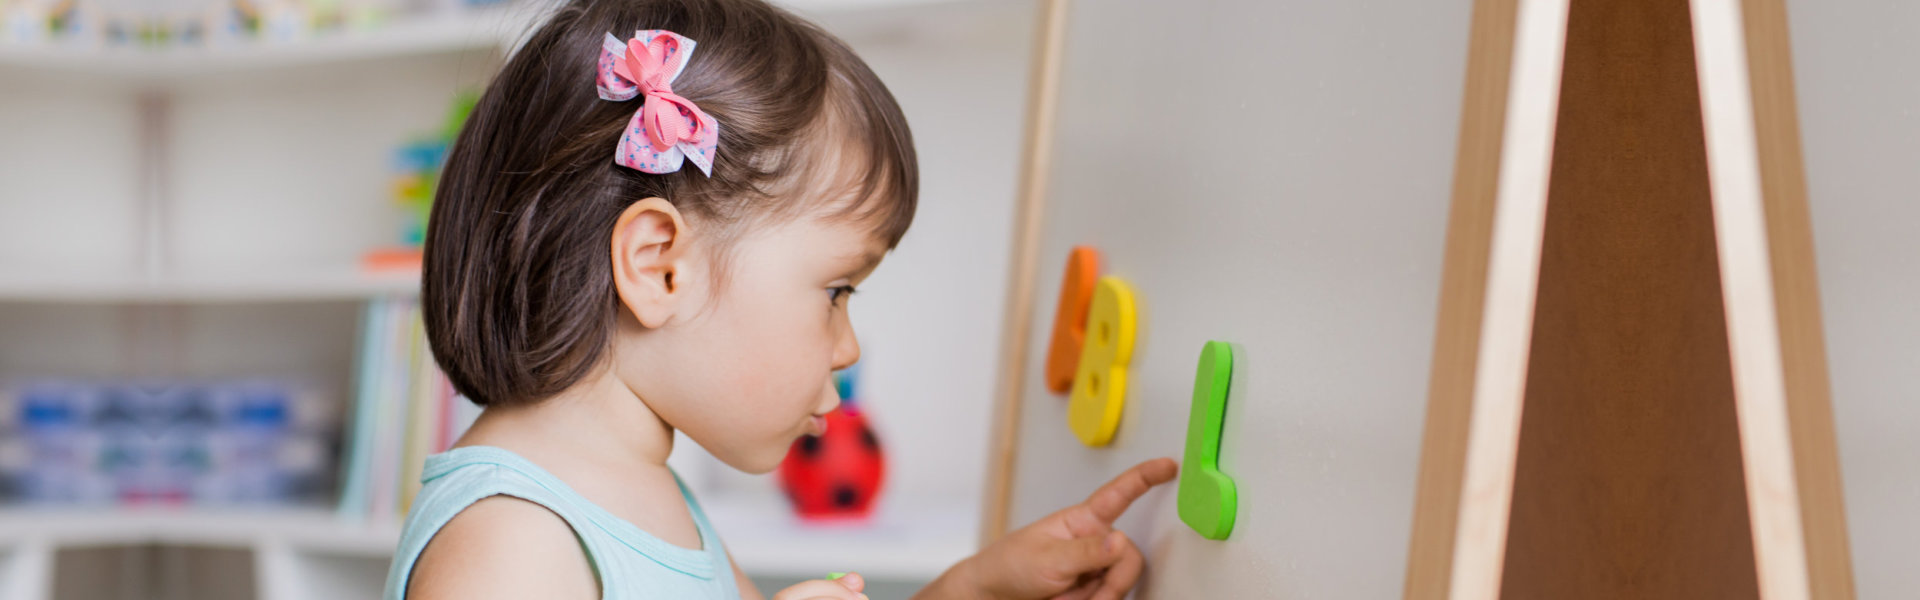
{"x": 630, "y": 563}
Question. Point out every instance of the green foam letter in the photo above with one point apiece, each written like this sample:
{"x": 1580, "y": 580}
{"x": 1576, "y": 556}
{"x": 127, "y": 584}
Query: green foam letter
{"x": 1207, "y": 499}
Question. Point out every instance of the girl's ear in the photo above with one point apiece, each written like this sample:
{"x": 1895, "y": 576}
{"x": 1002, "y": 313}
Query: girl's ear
{"x": 650, "y": 259}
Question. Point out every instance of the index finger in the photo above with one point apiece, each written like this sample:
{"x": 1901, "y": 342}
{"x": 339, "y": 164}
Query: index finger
{"x": 1112, "y": 499}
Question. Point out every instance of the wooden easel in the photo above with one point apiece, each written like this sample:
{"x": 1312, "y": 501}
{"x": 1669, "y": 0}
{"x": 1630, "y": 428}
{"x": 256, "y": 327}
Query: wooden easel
{"x": 1649, "y": 416}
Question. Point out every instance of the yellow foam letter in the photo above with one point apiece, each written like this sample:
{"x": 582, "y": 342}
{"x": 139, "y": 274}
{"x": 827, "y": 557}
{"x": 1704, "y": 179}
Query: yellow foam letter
{"x": 1100, "y": 384}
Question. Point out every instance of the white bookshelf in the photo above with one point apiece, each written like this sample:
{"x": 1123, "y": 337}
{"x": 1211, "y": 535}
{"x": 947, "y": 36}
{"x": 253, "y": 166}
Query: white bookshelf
{"x": 192, "y": 238}
{"x": 179, "y": 228}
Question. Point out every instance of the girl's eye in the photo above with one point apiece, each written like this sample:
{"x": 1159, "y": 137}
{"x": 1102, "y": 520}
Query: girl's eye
{"x": 836, "y": 294}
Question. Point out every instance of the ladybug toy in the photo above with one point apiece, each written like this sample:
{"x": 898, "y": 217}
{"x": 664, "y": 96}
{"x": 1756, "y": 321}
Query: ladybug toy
{"x": 837, "y": 474}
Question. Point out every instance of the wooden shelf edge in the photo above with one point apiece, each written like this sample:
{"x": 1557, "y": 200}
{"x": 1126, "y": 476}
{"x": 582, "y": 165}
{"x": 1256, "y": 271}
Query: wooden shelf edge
{"x": 239, "y": 287}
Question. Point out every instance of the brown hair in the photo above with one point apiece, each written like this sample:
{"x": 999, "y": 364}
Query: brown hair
{"x": 517, "y": 289}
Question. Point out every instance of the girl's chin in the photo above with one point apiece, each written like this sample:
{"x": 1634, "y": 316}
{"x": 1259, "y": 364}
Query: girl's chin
{"x": 766, "y": 461}
{"x": 756, "y": 466}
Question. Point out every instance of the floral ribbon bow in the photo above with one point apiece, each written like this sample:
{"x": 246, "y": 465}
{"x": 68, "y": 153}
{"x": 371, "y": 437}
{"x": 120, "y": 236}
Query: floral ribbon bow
{"x": 667, "y": 128}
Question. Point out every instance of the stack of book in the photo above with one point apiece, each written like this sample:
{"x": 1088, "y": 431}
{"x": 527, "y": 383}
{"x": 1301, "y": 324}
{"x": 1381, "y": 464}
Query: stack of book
{"x": 403, "y": 410}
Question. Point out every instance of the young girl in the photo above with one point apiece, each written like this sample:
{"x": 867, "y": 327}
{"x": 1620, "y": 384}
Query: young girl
{"x": 652, "y": 222}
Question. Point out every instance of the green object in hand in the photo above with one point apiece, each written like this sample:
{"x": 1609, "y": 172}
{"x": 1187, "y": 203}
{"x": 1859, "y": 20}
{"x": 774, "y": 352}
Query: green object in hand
{"x": 835, "y": 576}
{"x": 1207, "y": 499}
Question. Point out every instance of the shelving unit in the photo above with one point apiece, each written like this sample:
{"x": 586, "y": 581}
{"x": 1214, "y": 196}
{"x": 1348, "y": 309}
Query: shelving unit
{"x": 195, "y": 238}
{"x": 185, "y": 227}
{"x": 438, "y": 33}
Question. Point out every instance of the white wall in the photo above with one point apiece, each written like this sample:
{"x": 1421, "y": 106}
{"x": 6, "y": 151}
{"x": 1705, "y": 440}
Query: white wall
{"x": 1856, "y": 64}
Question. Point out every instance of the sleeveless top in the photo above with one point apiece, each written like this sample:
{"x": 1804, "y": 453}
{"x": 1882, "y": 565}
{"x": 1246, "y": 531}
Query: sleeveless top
{"x": 629, "y": 562}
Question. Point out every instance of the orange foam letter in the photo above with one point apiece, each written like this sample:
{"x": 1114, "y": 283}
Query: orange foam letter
{"x": 1070, "y": 319}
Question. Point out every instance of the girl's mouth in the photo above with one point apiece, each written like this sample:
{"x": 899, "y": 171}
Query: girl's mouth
{"x": 817, "y": 425}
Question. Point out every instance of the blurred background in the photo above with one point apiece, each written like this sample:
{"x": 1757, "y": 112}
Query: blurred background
{"x": 212, "y": 382}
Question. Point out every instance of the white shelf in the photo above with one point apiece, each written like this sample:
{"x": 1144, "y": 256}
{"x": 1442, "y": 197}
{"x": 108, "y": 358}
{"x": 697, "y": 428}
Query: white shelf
{"x": 913, "y": 541}
{"x": 343, "y": 283}
{"x": 405, "y": 36}
{"x": 309, "y": 529}
{"x": 765, "y": 539}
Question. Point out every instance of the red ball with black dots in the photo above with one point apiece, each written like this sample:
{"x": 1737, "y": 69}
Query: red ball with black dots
{"x": 835, "y": 475}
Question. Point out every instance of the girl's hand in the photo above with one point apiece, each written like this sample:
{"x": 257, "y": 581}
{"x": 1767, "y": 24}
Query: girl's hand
{"x": 844, "y": 588}
{"x": 1072, "y": 554}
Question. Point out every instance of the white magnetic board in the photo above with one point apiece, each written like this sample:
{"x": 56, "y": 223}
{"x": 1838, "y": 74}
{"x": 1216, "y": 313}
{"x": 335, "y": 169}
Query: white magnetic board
{"x": 1276, "y": 175}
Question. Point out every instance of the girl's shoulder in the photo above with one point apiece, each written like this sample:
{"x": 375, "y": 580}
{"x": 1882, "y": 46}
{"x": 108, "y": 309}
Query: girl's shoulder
{"x": 482, "y": 526}
{"x": 487, "y": 518}
{"x": 502, "y": 547}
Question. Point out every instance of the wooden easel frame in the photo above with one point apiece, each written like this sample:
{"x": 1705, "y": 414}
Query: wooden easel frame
{"x": 1491, "y": 268}
{"x": 1043, "y": 94}
{"x": 1772, "y": 299}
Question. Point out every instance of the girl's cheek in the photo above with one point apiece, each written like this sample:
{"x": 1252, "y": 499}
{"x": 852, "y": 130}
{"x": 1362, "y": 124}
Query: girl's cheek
{"x": 780, "y": 356}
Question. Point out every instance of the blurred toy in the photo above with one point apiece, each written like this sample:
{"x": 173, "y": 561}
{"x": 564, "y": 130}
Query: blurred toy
{"x": 118, "y": 28}
{"x": 28, "y": 21}
{"x": 367, "y": 14}
{"x": 838, "y": 474}
{"x": 70, "y": 20}
{"x": 454, "y": 6}
{"x": 419, "y": 165}
{"x": 418, "y": 162}
{"x": 278, "y": 20}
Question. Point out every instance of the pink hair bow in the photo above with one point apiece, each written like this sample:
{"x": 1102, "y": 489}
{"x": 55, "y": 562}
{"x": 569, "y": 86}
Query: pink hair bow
{"x": 667, "y": 128}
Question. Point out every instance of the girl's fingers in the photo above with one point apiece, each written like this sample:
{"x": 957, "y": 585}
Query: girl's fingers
{"x": 1112, "y": 499}
{"x": 1123, "y": 574}
{"x": 1106, "y": 504}
{"x": 1083, "y": 590}
{"x": 1073, "y": 559}
{"x": 852, "y": 581}
{"x": 819, "y": 589}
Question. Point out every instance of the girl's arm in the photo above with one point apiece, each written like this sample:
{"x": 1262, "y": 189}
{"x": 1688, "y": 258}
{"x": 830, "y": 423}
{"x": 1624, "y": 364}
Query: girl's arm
{"x": 1075, "y": 552}
{"x": 748, "y": 591}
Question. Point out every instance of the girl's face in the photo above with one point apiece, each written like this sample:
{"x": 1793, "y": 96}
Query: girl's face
{"x": 745, "y": 367}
